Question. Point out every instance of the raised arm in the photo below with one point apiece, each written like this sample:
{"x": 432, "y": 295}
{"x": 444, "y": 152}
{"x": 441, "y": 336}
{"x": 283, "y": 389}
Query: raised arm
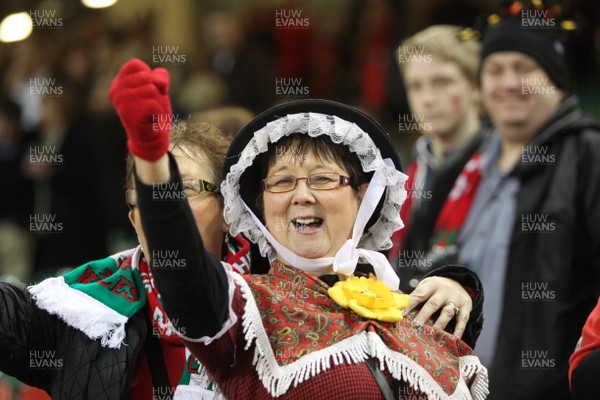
{"x": 192, "y": 282}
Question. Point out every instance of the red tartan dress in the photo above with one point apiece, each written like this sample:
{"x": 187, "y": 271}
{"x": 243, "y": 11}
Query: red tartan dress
{"x": 286, "y": 338}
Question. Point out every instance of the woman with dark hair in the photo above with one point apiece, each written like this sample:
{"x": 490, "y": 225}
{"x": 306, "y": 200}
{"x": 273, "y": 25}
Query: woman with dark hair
{"x": 316, "y": 184}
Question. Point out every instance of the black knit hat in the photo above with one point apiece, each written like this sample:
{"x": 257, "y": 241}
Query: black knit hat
{"x": 543, "y": 44}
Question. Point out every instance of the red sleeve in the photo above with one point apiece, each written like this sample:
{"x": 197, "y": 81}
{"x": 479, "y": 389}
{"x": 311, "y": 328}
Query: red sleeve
{"x": 589, "y": 341}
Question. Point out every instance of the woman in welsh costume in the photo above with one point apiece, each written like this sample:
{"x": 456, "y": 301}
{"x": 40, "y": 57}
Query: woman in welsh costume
{"x": 317, "y": 185}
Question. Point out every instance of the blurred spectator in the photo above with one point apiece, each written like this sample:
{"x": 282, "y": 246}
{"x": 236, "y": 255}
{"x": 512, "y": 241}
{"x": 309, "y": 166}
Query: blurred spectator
{"x": 246, "y": 70}
{"x": 293, "y": 31}
{"x": 68, "y": 230}
{"x": 375, "y": 43}
{"x": 16, "y": 197}
{"x": 26, "y": 65}
{"x": 367, "y": 48}
{"x": 202, "y": 90}
{"x": 440, "y": 66}
{"x": 105, "y": 131}
{"x": 523, "y": 213}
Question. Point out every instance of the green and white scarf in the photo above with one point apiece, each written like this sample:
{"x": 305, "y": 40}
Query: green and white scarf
{"x": 96, "y": 298}
{"x": 99, "y": 297}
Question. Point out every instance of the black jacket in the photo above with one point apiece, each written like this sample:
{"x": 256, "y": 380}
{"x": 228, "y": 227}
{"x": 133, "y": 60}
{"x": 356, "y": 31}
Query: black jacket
{"x": 537, "y": 336}
{"x": 41, "y": 350}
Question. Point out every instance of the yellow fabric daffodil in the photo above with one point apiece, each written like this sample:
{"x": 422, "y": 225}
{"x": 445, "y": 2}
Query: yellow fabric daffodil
{"x": 369, "y": 298}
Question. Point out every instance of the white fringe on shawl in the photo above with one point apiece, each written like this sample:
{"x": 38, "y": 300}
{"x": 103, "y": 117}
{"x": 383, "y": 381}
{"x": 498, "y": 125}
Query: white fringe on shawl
{"x": 82, "y": 312}
{"x": 278, "y": 379}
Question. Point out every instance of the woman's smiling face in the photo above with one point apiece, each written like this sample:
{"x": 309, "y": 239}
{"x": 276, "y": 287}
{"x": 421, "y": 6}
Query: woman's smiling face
{"x": 312, "y": 223}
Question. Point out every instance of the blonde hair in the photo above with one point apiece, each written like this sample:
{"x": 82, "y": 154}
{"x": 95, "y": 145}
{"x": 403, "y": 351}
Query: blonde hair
{"x": 445, "y": 42}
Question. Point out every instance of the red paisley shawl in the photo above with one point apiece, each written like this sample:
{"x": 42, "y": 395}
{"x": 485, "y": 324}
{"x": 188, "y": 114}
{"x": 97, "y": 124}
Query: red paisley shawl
{"x": 299, "y": 318}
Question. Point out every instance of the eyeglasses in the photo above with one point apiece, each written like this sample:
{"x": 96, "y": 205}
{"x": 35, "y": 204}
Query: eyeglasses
{"x": 191, "y": 188}
{"x": 322, "y": 181}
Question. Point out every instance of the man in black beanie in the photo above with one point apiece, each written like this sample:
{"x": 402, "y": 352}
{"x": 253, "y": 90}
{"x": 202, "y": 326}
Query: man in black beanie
{"x": 532, "y": 226}
{"x": 544, "y": 46}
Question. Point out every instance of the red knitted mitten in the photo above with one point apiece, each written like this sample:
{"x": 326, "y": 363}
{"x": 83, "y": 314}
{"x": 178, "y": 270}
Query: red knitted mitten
{"x": 141, "y": 97}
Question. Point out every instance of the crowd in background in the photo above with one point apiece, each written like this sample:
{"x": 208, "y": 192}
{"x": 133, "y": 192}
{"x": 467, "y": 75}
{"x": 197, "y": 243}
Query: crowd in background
{"x": 54, "y": 94}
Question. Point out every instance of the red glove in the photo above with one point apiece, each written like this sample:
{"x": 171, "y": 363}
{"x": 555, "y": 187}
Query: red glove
{"x": 141, "y": 97}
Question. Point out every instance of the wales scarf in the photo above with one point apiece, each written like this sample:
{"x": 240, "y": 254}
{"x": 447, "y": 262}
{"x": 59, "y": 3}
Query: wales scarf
{"x": 96, "y": 298}
{"x": 99, "y": 297}
{"x": 456, "y": 208}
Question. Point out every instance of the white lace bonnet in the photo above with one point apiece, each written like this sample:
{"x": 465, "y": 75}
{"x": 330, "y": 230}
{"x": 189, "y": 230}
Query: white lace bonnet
{"x": 344, "y": 125}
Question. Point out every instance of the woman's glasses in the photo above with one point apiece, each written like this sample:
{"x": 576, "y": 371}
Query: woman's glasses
{"x": 191, "y": 188}
{"x": 321, "y": 181}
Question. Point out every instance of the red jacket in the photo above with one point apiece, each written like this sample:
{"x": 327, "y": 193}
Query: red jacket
{"x": 589, "y": 340}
